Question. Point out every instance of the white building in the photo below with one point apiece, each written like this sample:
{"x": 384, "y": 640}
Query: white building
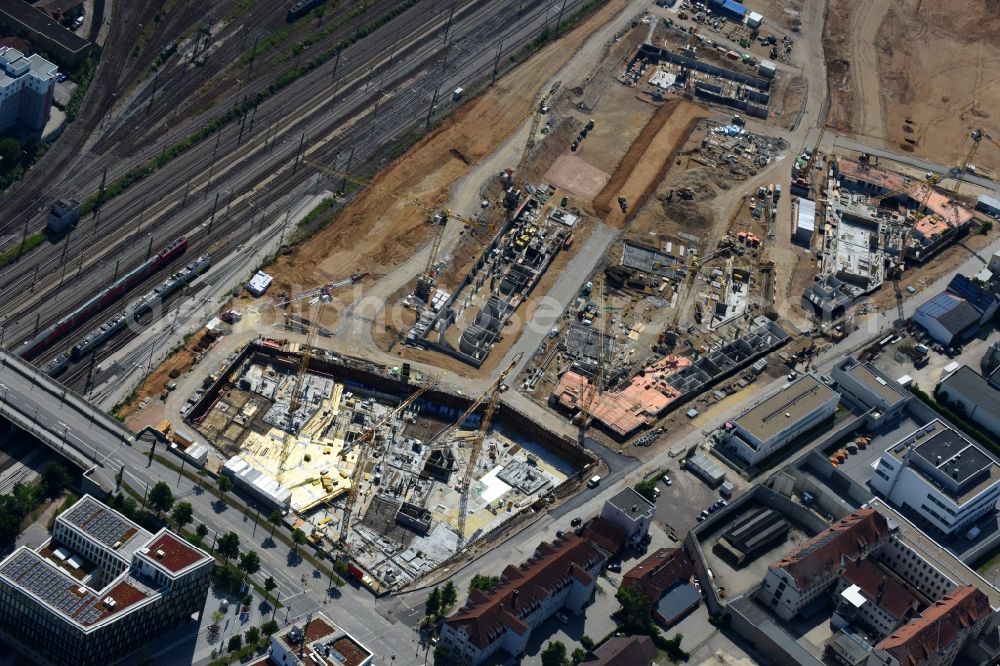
{"x": 803, "y": 221}
{"x": 979, "y": 398}
{"x": 870, "y": 389}
{"x": 100, "y": 588}
{"x": 559, "y": 575}
{"x": 630, "y": 512}
{"x": 27, "y": 84}
{"x": 941, "y": 476}
{"x": 259, "y": 283}
{"x": 773, "y": 423}
{"x": 811, "y": 570}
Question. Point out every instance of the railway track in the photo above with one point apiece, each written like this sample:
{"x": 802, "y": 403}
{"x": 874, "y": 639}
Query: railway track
{"x": 252, "y": 165}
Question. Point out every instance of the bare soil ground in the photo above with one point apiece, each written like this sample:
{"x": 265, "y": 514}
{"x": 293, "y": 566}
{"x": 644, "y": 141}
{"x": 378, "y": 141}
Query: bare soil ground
{"x": 647, "y": 160}
{"x": 156, "y": 382}
{"x": 376, "y": 232}
{"x": 577, "y": 176}
{"x": 919, "y": 76}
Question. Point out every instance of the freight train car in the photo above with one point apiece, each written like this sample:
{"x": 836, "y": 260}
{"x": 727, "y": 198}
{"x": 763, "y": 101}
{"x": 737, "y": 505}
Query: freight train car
{"x": 301, "y": 8}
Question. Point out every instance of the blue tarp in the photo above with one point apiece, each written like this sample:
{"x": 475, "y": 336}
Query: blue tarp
{"x": 729, "y": 6}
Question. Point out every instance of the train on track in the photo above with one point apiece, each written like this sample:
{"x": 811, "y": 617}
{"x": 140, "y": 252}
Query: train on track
{"x": 301, "y": 8}
{"x": 137, "y": 308}
{"x": 108, "y": 295}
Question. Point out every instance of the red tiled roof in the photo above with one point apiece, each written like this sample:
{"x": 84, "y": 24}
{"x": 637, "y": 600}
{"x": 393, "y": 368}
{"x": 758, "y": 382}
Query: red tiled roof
{"x": 848, "y": 537}
{"x": 659, "y": 572}
{"x": 880, "y": 588}
{"x": 177, "y": 555}
{"x": 624, "y": 651}
{"x": 486, "y": 615}
{"x": 916, "y": 642}
{"x": 605, "y": 535}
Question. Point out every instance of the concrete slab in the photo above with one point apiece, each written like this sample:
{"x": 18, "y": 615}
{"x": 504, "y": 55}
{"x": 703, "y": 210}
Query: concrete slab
{"x": 577, "y": 176}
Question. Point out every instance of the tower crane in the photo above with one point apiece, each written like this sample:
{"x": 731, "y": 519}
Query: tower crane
{"x": 295, "y": 401}
{"x": 583, "y": 417}
{"x": 364, "y": 448}
{"x": 491, "y": 398}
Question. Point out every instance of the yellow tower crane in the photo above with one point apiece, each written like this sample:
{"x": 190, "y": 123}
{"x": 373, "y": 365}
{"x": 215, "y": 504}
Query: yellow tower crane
{"x": 364, "y": 443}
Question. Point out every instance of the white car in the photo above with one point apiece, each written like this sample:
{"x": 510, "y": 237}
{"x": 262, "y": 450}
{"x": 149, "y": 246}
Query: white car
{"x": 562, "y": 617}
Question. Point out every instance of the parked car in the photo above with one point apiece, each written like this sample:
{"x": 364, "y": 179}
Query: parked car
{"x": 562, "y": 617}
{"x": 560, "y": 534}
{"x": 615, "y": 566}
{"x": 667, "y": 481}
{"x": 576, "y": 522}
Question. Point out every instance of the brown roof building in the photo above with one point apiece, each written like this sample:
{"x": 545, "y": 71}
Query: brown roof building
{"x": 624, "y": 651}
{"x": 659, "y": 572}
{"x": 936, "y": 637}
{"x": 806, "y": 573}
{"x": 559, "y": 575}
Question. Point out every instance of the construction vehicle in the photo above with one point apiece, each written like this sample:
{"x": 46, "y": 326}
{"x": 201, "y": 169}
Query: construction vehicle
{"x": 364, "y": 443}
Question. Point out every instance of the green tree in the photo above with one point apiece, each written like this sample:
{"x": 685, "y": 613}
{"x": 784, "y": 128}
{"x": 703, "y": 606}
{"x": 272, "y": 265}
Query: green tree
{"x": 229, "y": 545}
{"x": 645, "y": 488}
{"x": 252, "y": 635}
{"x": 483, "y": 582}
{"x": 433, "y": 605}
{"x": 672, "y": 647}
{"x": 235, "y": 642}
{"x": 275, "y": 520}
{"x": 299, "y": 537}
{"x": 182, "y": 514}
{"x": 579, "y": 655}
{"x": 587, "y": 642}
{"x": 161, "y": 497}
{"x": 270, "y": 584}
{"x": 449, "y": 595}
{"x": 217, "y": 617}
{"x": 269, "y": 628}
{"x": 225, "y": 485}
{"x": 554, "y": 654}
{"x": 986, "y": 227}
{"x": 54, "y": 479}
{"x": 10, "y": 154}
{"x": 636, "y": 612}
{"x": 201, "y": 531}
{"x": 250, "y": 562}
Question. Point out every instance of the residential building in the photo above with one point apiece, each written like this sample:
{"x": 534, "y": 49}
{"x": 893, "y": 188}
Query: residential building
{"x": 873, "y": 598}
{"x": 869, "y": 388}
{"x": 27, "y": 84}
{"x": 630, "y": 512}
{"x": 559, "y": 575}
{"x": 320, "y": 642}
{"x": 624, "y": 651}
{"x": 99, "y": 588}
{"x": 674, "y": 606}
{"x": 976, "y": 398}
{"x": 659, "y": 572}
{"x": 776, "y": 421}
{"x": 940, "y": 476}
{"x": 937, "y": 636}
{"x": 809, "y": 571}
{"x": 44, "y": 31}
{"x": 948, "y": 318}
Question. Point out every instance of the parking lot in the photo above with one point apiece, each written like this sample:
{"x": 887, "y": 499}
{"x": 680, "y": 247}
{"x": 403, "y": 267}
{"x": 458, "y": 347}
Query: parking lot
{"x": 682, "y": 501}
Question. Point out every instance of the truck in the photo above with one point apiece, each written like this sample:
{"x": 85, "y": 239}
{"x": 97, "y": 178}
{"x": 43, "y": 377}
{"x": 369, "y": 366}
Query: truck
{"x": 594, "y": 481}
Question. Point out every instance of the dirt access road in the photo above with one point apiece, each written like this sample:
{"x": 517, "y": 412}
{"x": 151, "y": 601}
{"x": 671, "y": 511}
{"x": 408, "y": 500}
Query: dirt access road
{"x": 916, "y": 76}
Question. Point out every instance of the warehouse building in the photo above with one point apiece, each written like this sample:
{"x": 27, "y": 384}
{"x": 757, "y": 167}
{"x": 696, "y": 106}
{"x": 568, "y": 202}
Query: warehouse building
{"x": 948, "y": 318}
{"x": 100, "y": 588}
{"x": 773, "y": 423}
{"x": 751, "y": 535}
{"x": 941, "y": 477}
{"x": 989, "y": 205}
{"x": 978, "y": 397}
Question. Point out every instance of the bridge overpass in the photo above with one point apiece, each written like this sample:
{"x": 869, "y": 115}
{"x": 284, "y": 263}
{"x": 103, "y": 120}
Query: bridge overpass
{"x": 63, "y": 420}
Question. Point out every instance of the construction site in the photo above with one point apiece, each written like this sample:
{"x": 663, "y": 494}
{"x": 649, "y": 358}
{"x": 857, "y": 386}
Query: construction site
{"x": 394, "y": 475}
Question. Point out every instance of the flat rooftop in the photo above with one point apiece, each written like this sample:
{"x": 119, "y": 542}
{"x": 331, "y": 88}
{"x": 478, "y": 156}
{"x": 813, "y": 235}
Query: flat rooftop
{"x": 36, "y": 576}
{"x": 786, "y": 407}
{"x": 40, "y": 22}
{"x": 631, "y": 502}
{"x": 325, "y": 643}
{"x": 172, "y": 553}
{"x": 889, "y": 391}
{"x": 105, "y": 525}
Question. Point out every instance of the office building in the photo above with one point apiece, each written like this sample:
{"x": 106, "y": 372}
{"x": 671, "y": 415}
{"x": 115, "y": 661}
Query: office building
{"x": 27, "y": 84}
{"x": 869, "y": 389}
{"x": 978, "y": 397}
{"x": 940, "y": 476}
{"x": 99, "y": 588}
{"x": 773, "y": 423}
{"x": 630, "y": 512}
